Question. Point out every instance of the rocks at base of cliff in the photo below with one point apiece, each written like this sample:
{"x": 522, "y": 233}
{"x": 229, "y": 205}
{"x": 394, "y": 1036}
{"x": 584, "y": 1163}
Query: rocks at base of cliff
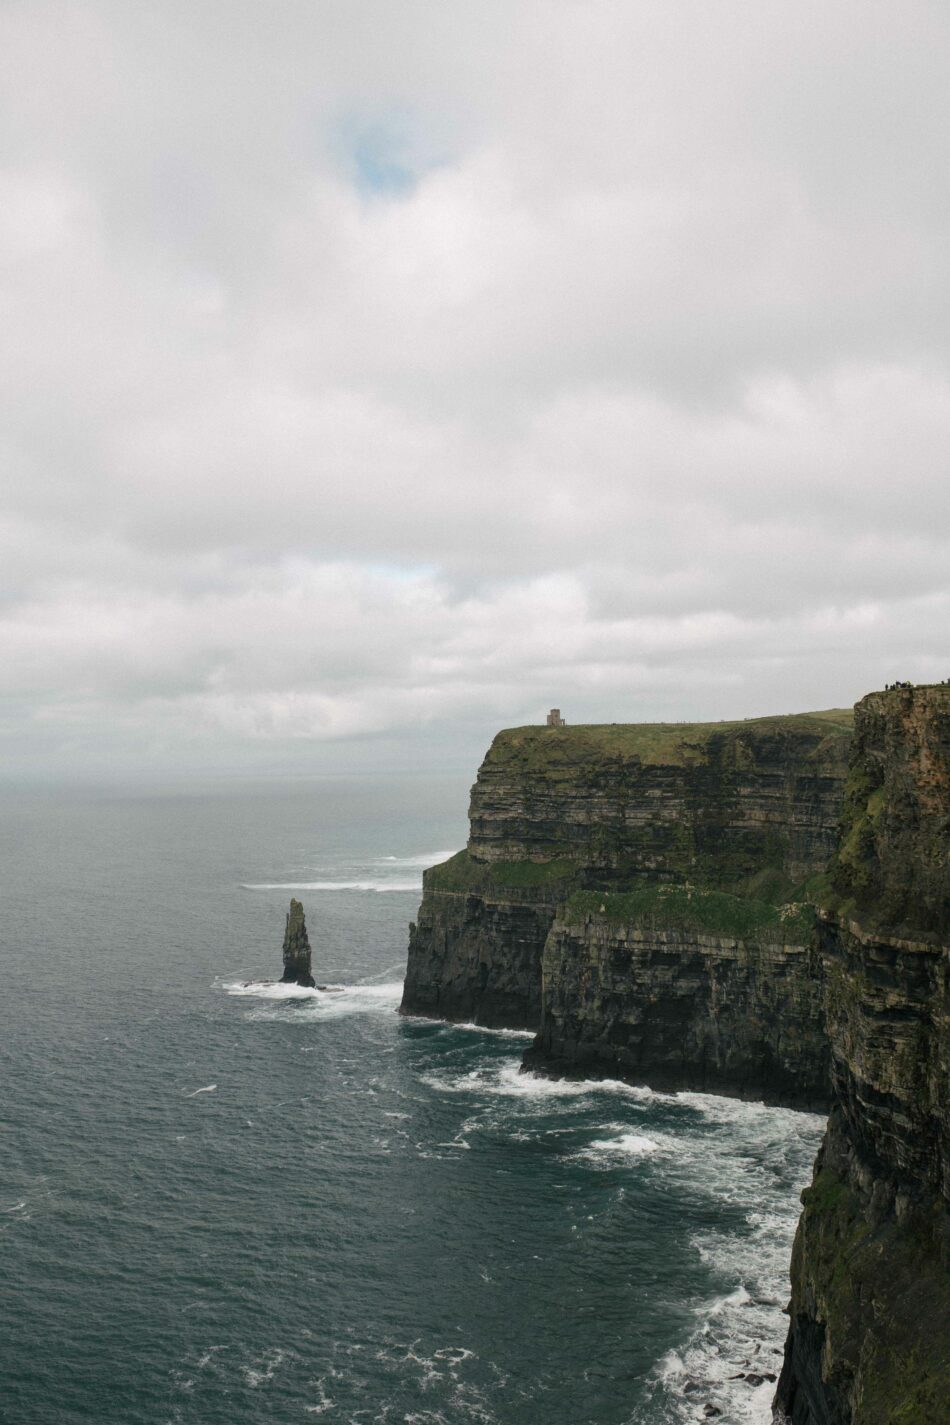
{"x": 297, "y": 967}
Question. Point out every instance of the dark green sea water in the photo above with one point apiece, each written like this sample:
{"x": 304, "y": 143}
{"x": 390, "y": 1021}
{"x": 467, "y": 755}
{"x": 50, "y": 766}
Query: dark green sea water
{"x": 224, "y": 1203}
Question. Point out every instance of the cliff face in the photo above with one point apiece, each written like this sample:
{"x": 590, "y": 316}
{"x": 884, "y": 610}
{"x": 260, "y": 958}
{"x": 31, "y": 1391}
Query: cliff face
{"x": 685, "y": 1006}
{"x": 747, "y": 809}
{"x": 475, "y": 953}
{"x": 717, "y": 803}
{"x": 646, "y": 896}
{"x": 869, "y": 1342}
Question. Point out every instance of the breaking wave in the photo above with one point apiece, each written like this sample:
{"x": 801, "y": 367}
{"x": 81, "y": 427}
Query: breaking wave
{"x": 330, "y": 1002}
{"x": 423, "y": 861}
{"x": 401, "y": 884}
{"x": 379, "y": 874}
{"x": 748, "y": 1159}
{"x": 508, "y": 1081}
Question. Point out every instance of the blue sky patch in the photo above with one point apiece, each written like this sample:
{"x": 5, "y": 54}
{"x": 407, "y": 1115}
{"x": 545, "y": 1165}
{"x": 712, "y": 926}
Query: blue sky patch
{"x": 386, "y": 154}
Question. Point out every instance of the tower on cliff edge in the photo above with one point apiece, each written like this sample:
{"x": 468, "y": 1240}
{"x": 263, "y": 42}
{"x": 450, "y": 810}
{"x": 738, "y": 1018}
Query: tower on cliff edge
{"x": 555, "y": 719}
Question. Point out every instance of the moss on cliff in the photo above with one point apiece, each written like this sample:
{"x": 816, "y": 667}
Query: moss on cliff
{"x": 892, "y": 865}
{"x": 869, "y": 1342}
{"x": 682, "y": 907}
{"x": 883, "y": 1299}
{"x": 462, "y": 873}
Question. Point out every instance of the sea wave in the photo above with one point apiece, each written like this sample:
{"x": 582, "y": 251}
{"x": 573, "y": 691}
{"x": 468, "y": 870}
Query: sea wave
{"x": 623, "y": 1148}
{"x": 751, "y": 1157}
{"x": 267, "y": 989}
{"x": 331, "y": 1002}
{"x": 377, "y": 884}
{"x": 424, "y": 861}
{"x": 508, "y": 1081}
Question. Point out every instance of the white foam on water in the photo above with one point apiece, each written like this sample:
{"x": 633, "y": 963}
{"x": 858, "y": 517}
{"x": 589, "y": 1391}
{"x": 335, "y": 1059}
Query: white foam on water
{"x": 335, "y": 1003}
{"x": 262, "y": 1372}
{"x": 424, "y": 860}
{"x": 712, "y": 1367}
{"x": 743, "y": 1112}
{"x": 507, "y": 1081}
{"x": 474, "y": 1028}
{"x": 754, "y": 1159}
{"x": 209, "y": 1356}
{"x": 378, "y": 884}
{"x": 267, "y": 989}
{"x": 439, "y": 1369}
{"x": 209, "y": 1088}
{"x": 624, "y": 1147}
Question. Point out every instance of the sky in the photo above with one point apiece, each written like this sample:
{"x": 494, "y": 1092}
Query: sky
{"x": 377, "y": 375}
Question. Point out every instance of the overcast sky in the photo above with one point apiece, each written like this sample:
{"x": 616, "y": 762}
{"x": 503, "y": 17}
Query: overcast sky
{"x": 375, "y": 375}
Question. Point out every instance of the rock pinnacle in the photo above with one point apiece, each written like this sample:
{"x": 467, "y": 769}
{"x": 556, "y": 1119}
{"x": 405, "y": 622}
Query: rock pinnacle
{"x": 297, "y": 949}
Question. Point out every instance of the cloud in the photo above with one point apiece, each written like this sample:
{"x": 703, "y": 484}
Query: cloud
{"x": 385, "y": 375}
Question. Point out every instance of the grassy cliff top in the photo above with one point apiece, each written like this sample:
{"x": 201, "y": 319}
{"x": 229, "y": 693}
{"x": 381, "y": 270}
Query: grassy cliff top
{"x": 669, "y": 744}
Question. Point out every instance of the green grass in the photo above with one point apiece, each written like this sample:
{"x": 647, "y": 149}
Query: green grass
{"x": 673, "y": 744}
{"x": 681, "y": 907}
{"x": 533, "y": 873}
{"x": 462, "y": 874}
{"x": 751, "y": 915}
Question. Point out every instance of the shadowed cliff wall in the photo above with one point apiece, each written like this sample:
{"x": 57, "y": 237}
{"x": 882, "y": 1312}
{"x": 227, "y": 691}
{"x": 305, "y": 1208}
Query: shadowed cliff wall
{"x": 869, "y": 1341}
{"x": 680, "y": 1005}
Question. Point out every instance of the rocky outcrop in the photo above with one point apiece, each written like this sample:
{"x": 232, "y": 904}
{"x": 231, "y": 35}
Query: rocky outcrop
{"x": 748, "y": 809}
{"x": 297, "y": 968}
{"x": 474, "y": 956}
{"x": 869, "y": 1340}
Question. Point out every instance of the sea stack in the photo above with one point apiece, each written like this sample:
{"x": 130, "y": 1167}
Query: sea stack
{"x": 297, "y": 950}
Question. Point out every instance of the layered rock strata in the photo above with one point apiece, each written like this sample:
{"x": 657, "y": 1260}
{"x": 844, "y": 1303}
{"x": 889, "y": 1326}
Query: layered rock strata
{"x": 681, "y": 1006}
{"x": 746, "y": 809}
{"x": 869, "y": 1340}
{"x": 475, "y": 952}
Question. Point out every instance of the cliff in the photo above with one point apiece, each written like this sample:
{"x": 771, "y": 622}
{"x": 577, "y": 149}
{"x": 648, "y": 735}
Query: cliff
{"x": 747, "y": 811}
{"x": 869, "y": 1340}
{"x": 723, "y": 804}
{"x": 681, "y": 991}
{"x": 659, "y": 902}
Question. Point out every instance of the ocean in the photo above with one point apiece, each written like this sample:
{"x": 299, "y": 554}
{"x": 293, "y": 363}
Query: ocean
{"x": 224, "y": 1202}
